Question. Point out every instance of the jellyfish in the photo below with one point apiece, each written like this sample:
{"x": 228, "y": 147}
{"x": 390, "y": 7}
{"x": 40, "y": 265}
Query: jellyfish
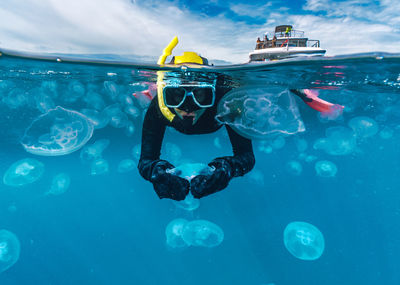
{"x": 99, "y": 166}
{"x": 23, "y": 172}
{"x": 94, "y": 151}
{"x": 190, "y": 170}
{"x": 75, "y": 91}
{"x": 117, "y": 118}
{"x": 256, "y": 112}
{"x": 58, "y": 132}
{"x": 60, "y": 184}
{"x": 173, "y": 153}
{"x": 136, "y": 152}
{"x": 126, "y": 165}
{"x": 9, "y": 249}
{"x": 129, "y": 129}
{"x": 325, "y": 168}
{"x": 189, "y": 203}
{"x": 173, "y": 233}
{"x": 112, "y": 89}
{"x": 303, "y": 240}
{"x": 294, "y": 167}
{"x": 94, "y": 100}
{"x": 386, "y": 133}
{"x": 364, "y": 127}
{"x": 99, "y": 120}
{"x": 338, "y": 141}
{"x": 202, "y": 233}
{"x": 256, "y": 177}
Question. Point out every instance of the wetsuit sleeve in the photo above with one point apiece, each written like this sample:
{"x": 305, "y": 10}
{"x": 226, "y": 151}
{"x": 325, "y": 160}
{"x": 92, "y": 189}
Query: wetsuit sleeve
{"x": 243, "y": 159}
{"x": 154, "y": 126}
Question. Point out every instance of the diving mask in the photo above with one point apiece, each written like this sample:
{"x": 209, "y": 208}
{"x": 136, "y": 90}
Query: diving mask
{"x": 203, "y": 95}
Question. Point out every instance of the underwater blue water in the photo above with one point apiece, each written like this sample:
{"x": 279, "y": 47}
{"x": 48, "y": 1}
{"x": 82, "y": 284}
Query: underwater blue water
{"x": 87, "y": 219}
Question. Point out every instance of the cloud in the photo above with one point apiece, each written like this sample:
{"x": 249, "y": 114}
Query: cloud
{"x": 145, "y": 27}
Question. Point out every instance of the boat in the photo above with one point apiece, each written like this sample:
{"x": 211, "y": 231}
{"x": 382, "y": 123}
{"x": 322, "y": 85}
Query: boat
{"x": 285, "y": 43}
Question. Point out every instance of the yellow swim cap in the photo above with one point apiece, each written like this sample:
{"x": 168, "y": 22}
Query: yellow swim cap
{"x": 188, "y": 57}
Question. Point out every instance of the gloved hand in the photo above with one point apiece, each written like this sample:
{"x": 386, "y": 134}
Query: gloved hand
{"x": 203, "y": 185}
{"x": 168, "y": 185}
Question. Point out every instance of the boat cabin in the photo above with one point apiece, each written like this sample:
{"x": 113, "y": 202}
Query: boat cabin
{"x": 285, "y": 36}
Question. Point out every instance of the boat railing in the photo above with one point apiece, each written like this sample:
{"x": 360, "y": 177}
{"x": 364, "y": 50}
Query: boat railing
{"x": 291, "y": 34}
{"x": 288, "y": 42}
{"x": 313, "y": 43}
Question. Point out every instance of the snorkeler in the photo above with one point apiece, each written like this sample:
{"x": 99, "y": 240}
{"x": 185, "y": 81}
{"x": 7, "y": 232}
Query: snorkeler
{"x": 189, "y": 106}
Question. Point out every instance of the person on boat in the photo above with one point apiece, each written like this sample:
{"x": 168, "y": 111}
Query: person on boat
{"x": 190, "y": 107}
{"x": 274, "y": 41}
{"x": 265, "y": 45}
{"x": 259, "y": 43}
{"x": 288, "y": 30}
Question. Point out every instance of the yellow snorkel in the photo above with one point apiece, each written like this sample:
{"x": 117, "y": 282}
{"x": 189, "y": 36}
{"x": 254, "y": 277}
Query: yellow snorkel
{"x": 167, "y": 51}
{"x": 160, "y": 77}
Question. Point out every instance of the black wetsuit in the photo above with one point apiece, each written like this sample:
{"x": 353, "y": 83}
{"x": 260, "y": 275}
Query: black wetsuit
{"x": 154, "y": 126}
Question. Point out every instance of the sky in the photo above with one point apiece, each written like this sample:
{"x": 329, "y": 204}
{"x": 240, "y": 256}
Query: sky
{"x": 225, "y": 30}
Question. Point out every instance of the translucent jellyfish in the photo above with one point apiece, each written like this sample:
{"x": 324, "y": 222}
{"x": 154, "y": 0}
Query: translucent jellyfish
{"x": 386, "y": 133}
{"x": 112, "y": 89}
{"x": 58, "y": 132}
{"x": 303, "y": 240}
{"x": 294, "y": 167}
{"x": 44, "y": 102}
{"x": 9, "y": 249}
{"x": 126, "y": 165}
{"x": 16, "y": 98}
{"x": 188, "y": 204}
{"x": 364, "y": 127}
{"x": 23, "y": 172}
{"x": 257, "y": 112}
{"x": 278, "y": 142}
{"x": 338, "y": 141}
{"x": 99, "y": 120}
{"x": 265, "y": 147}
{"x": 256, "y": 177}
{"x": 129, "y": 129}
{"x": 94, "y": 100}
{"x": 94, "y": 151}
{"x": 202, "y": 233}
{"x": 74, "y": 91}
{"x": 99, "y": 166}
{"x": 117, "y": 118}
{"x": 60, "y": 184}
{"x": 132, "y": 111}
{"x": 190, "y": 170}
{"x": 173, "y": 153}
{"x": 173, "y": 233}
{"x": 136, "y": 152}
{"x": 325, "y": 168}
{"x": 301, "y": 144}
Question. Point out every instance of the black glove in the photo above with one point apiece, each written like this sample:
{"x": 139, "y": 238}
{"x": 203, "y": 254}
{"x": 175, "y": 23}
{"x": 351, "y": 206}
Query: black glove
{"x": 203, "y": 185}
{"x": 168, "y": 185}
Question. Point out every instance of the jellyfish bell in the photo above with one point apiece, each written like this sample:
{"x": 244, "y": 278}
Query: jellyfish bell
{"x": 23, "y": 172}
{"x": 256, "y": 112}
{"x": 57, "y": 132}
{"x": 173, "y": 233}
{"x": 202, "y": 233}
{"x": 303, "y": 240}
{"x": 9, "y": 249}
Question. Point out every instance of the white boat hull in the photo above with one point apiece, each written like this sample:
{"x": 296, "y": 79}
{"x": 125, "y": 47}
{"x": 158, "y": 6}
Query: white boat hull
{"x": 284, "y": 52}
